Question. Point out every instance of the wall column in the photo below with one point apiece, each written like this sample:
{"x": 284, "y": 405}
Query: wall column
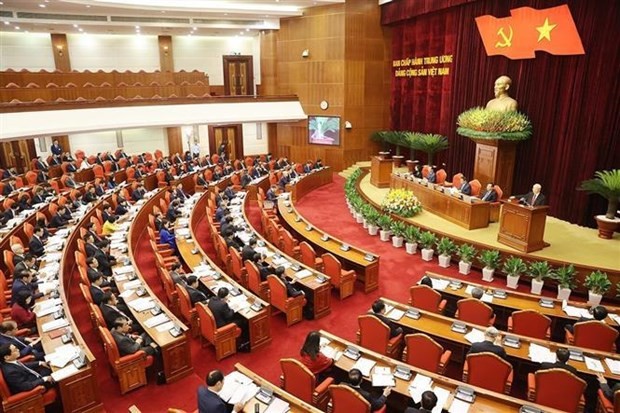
{"x": 166, "y": 63}
{"x": 60, "y": 49}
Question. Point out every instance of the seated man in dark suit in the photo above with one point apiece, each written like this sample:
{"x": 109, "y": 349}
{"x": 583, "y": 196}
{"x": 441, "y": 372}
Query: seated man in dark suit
{"x": 128, "y": 343}
{"x": 22, "y": 377}
{"x": 491, "y": 344}
{"x": 291, "y": 291}
{"x": 58, "y": 220}
{"x": 229, "y": 192}
{"x": 11, "y": 212}
{"x": 90, "y": 195}
{"x": 41, "y": 165}
{"x": 9, "y": 187}
{"x": 428, "y": 403}
{"x": 195, "y": 295}
{"x": 219, "y": 307}
{"x": 465, "y": 188}
{"x": 105, "y": 260}
{"x": 490, "y": 195}
{"x": 173, "y": 213}
{"x": 272, "y": 193}
{"x": 378, "y": 310}
{"x": 9, "y": 172}
{"x": 27, "y": 346}
{"x": 599, "y": 313}
{"x": 376, "y": 403}
{"x": 209, "y": 400}
{"x": 562, "y": 356}
{"x": 247, "y": 253}
{"x": 111, "y": 309}
{"x": 36, "y": 245}
{"x": 138, "y": 193}
{"x": 432, "y": 175}
{"x": 96, "y": 292}
{"x": 93, "y": 271}
{"x": 245, "y": 179}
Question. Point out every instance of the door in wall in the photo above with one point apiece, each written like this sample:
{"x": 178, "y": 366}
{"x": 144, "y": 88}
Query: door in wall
{"x": 17, "y": 154}
{"x": 238, "y": 75}
{"x": 227, "y": 139}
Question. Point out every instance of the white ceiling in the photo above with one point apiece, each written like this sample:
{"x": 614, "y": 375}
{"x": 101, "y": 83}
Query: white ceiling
{"x": 191, "y": 17}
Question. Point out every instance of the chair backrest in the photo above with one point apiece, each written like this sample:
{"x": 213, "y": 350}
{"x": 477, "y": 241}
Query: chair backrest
{"x": 297, "y": 379}
{"x": 4, "y": 388}
{"x": 530, "y": 323}
{"x": 31, "y": 177}
{"x": 28, "y": 230}
{"x": 253, "y": 276}
{"x": 308, "y": 256}
{"x": 207, "y": 322}
{"x": 499, "y": 191}
{"x": 277, "y": 291}
{"x": 236, "y": 263}
{"x": 487, "y": 370}
{"x": 374, "y": 334}
{"x": 185, "y": 303}
{"x": 8, "y": 260}
{"x": 96, "y": 313}
{"x": 347, "y": 400}
{"x": 457, "y": 180}
{"x": 86, "y": 293}
{"x": 441, "y": 176}
{"x": 595, "y": 335}
{"x": 80, "y": 259}
{"x": 423, "y": 352}
{"x": 425, "y": 298}
{"x": 475, "y": 187}
{"x": 14, "y": 239}
{"x": 558, "y": 388}
{"x": 289, "y": 243}
{"x": 472, "y": 310}
{"x": 109, "y": 345}
{"x": 332, "y": 267}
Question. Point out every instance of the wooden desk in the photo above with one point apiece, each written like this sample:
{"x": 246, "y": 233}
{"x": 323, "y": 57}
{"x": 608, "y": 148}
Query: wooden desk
{"x": 84, "y": 175}
{"x": 318, "y": 294}
{"x": 296, "y": 405}
{"x": 486, "y": 400}
{"x": 367, "y": 271}
{"x": 521, "y": 301}
{"x": 310, "y": 182}
{"x": 252, "y": 187}
{"x": 259, "y": 322}
{"x": 439, "y": 326}
{"x": 467, "y": 215}
{"x": 175, "y": 352}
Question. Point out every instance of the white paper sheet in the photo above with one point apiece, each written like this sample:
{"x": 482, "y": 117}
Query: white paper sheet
{"x": 459, "y": 406}
{"x": 278, "y": 406}
{"x": 54, "y": 324}
{"x": 614, "y": 365}
{"x": 156, "y": 320}
{"x": 442, "y": 398}
{"x": 594, "y": 364}
{"x": 419, "y": 385}
{"x": 364, "y": 365}
{"x": 475, "y": 336}
{"x": 541, "y": 354}
{"x": 65, "y": 372}
{"x": 396, "y": 314}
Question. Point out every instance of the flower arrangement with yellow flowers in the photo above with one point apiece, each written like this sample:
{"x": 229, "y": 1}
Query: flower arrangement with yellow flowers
{"x": 481, "y": 123}
{"x": 401, "y": 202}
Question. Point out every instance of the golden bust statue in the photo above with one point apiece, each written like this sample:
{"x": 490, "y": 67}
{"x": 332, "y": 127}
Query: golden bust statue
{"x": 502, "y": 101}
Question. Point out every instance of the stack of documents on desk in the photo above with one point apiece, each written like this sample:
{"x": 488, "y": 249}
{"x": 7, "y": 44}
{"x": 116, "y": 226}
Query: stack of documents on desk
{"x": 63, "y": 355}
{"x": 156, "y": 320}
{"x": 43, "y": 311}
{"x": 594, "y": 364}
{"x": 182, "y": 232}
{"x": 383, "y": 377}
{"x": 64, "y": 372}
{"x": 234, "y": 387}
{"x": 364, "y": 365}
{"x": 475, "y": 336}
{"x": 126, "y": 269}
{"x": 54, "y": 325}
{"x": 183, "y": 222}
{"x": 245, "y": 236}
{"x": 281, "y": 261}
{"x": 238, "y": 303}
{"x": 132, "y": 284}
{"x": 459, "y": 406}
{"x": 439, "y": 284}
{"x": 48, "y": 286}
{"x": 50, "y": 270}
{"x": 141, "y": 304}
{"x": 53, "y": 257}
{"x": 614, "y": 365}
{"x": 419, "y": 385}
{"x": 303, "y": 274}
{"x": 123, "y": 226}
{"x": 264, "y": 251}
{"x": 577, "y": 312}
{"x": 278, "y": 406}
{"x": 203, "y": 271}
{"x": 118, "y": 236}
{"x": 540, "y": 354}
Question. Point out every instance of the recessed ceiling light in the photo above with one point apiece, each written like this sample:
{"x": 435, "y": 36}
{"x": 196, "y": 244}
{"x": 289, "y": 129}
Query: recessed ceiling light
{"x": 80, "y": 29}
{"x": 6, "y": 23}
{"x": 26, "y": 31}
{"x": 75, "y": 25}
{"x": 247, "y": 30}
{"x": 88, "y": 6}
{"x": 195, "y": 28}
{"x": 42, "y": 6}
{"x": 138, "y": 27}
{"x": 16, "y": 27}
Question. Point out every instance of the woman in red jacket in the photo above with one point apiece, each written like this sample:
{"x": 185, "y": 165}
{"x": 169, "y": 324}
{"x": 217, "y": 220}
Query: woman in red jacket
{"x": 21, "y": 311}
{"x": 311, "y": 355}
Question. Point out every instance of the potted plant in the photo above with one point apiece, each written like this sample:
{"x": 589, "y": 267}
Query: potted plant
{"x": 597, "y": 284}
{"x": 539, "y": 270}
{"x": 366, "y": 210}
{"x": 427, "y": 241}
{"x": 373, "y": 221}
{"x": 412, "y": 235}
{"x": 445, "y": 249}
{"x": 466, "y": 253}
{"x": 490, "y": 260}
{"x": 427, "y": 142}
{"x": 607, "y": 185}
{"x": 381, "y": 138}
{"x": 565, "y": 277}
{"x": 385, "y": 223}
{"x": 399, "y": 228}
{"x": 513, "y": 268}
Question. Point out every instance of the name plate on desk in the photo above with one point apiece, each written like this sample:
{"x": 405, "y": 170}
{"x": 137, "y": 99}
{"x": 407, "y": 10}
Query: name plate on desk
{"x": 345, "y": 247}
{"x": 413, "y": 313}
{"x": 308, "y": 227}
{"x": 352, "y": 353}
{"x": 576, "y": 355}
{"x": 459, "y": 327}
{"x": 264, "y": 395}
{"x": 320, "y": 278}
{"x": 325, "y": 237}
{"x": 256, "y": 306}
{"x": 512, "y": 341}
{"x": 500, "y": 294}
{"x": 369, "y": 257}
{"x": 529, "y": 409}
{"x": 403, "y": 373}
{"x": 466, "y": 394}
{"x": 175, "y": 331}
{"x": 546, "y": 302}
{"x": 455, "y": 285}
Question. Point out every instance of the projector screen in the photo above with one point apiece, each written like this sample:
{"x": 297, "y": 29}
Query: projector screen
{"x": 324, "y": 130}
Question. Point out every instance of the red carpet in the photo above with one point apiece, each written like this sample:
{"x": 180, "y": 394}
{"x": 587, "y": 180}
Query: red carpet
{"x": 325, "y": 208}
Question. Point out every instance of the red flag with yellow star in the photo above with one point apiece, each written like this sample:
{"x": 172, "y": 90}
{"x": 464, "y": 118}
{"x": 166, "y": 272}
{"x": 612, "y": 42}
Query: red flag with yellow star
{"x": 517, "y": 37}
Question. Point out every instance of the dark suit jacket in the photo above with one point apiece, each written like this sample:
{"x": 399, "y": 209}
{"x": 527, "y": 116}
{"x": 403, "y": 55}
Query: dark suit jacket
{"x": 36, "y": 246}
{"x": 105, "y": 265}
{"x": 196, "y": 296}
{"x": 466, "y": 188}
{"x": 487, "y": 346}
{"x": 56, "y": 149}
{"x": 57, "y": 221}
{"x": 291, "y": 291}
{"x": 558, "y": 365}
{"x": 91, "y": 249}
{"x": 97, "y": 294}
{"x": 490, "y": 196}
{"x": 414, "y": 410}
{"x": 221, "y": 311}
{"x": 110, "y": 314}
{"x": 394, "y": 329}
{"x": 375, "y": 402}
{"x": 540, "y": 200}
{"x": 20, "y": 379}
{"x": 209, "y": 402}
{"x": 126, "y": 344}
{"x": 247, "y": 253}
{"x": 89, "y": 197}
{"x": 23, "y": 347}
{"x": 37, "y": 199}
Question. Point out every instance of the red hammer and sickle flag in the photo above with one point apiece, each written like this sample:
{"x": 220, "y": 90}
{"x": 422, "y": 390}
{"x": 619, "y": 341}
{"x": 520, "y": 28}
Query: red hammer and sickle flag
{"x": 517, "y": 37}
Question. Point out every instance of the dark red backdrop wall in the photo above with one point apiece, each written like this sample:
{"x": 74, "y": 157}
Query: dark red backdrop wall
{"x": 572, "y": 101}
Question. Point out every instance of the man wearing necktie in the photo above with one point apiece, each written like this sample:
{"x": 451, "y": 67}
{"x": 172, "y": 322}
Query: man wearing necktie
{"x": 534, "y": 198}
{"x": 20, "y": 376}
{"x": 26, "y": 346}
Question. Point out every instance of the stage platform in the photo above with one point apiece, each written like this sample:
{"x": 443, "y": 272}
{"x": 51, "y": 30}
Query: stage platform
{"x": 569, "y": 242}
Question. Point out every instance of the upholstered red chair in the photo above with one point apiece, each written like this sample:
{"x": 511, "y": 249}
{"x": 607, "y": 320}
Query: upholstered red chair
{"x": 33, "y": 400}
{"x": 161, "y": 179}
{"x": 342, "y": 280}
{"x": 8, "y": 260}
{"x": 475, "y": 187}
{"x": 457, "y": 180}
{"x": 31, "y": 178}
{"x": 347, "y": 400}
{"x": 289, "y": 244}
{"x": 98, "y": 171}
{"x": 80, "y": 259}
{"x": 530, "y": 323}
{"x": 309, "y": 258}
{"x": 188, "y": 312}
{"x": 236, "y": 265}
{"x": 593, "y": 334}
{"x": 557, "y": 388}
{"x": 605, "y": 405}
{"x": 489, "y": 371}
{"x": 495, "y": 206}
{"x": 5, "y": 284}
{"x": 441, "y": 176}
{"x": 14, "y": 239}
{"x": 472, "y": 310}
{"x": 423, "y": 352}
{"x": 425, "y": 298}
{"x": 299, "y": 381}
{"x": 224, "y": 339}
{"x": 375, "y": 335}
{"x": 96, "y": 316}
{"x": 86, "y": 293}
{"x": 292, "y": 307}
{"x": 131, "y": 369}
{"x": 426, "y": 169}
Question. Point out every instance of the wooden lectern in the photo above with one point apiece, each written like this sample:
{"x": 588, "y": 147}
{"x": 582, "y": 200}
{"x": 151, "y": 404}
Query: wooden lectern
{"x": 380, "y": 171}
{"x": 522, "y": 227}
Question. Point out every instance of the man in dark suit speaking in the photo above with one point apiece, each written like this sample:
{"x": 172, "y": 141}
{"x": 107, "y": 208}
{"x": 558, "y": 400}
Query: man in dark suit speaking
{"x": 534, "y": 198}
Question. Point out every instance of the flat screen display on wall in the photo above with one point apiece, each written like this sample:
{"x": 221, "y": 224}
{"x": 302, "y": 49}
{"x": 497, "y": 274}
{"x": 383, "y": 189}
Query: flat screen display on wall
{"x": 324, "y": 130}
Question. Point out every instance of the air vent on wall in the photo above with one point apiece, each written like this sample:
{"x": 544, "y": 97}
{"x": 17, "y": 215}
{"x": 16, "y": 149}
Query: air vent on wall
{"x": 4, "y": 13}
{"x": 228, "y": 22}
{"x": 130, "y": 19}
{"x": 49, "y": 16}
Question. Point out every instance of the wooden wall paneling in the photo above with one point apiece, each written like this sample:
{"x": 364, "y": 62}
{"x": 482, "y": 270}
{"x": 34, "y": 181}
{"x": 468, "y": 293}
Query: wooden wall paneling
{"x": 166, "y": 62}
{"x": 268, "y": 62}
{"x": 175, "y": 141}
{"x": 60, "y": 49}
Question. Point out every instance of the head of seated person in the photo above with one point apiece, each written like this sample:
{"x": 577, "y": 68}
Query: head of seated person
{"x": 426, "y": 280}
{"x": 378, "y": 307}
{"x": 477, "y": 293}
{"x": 222, "y": 293}
{"x": 491, "y": 334}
